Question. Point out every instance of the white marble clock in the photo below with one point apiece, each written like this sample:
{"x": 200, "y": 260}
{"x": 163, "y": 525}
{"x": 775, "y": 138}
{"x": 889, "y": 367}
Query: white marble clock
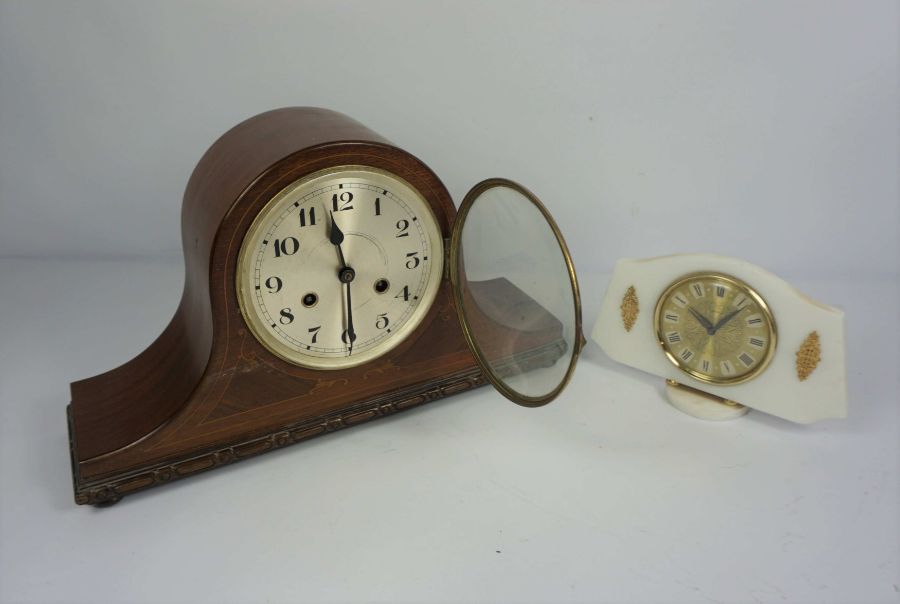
{"x": 727, "y": 336}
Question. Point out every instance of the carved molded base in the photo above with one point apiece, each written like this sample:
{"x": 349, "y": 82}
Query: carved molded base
{"x": 111, "y": 489}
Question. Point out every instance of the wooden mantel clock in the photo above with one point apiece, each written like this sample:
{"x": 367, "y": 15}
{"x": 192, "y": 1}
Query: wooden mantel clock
{"x": 329, "y": 281}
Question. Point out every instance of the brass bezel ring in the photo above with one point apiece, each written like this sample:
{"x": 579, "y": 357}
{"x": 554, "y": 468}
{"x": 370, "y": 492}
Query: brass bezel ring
{"x": 734, "y": 282}
{"x": 579, "y": 340}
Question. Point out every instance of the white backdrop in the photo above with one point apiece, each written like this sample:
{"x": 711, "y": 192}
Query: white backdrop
{"x": 764, "y": 130}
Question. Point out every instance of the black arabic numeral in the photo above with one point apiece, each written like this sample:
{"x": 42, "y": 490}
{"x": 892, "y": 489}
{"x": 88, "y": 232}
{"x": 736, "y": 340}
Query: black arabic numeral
{"x": 413, "y": 261}
{"x": 287, "y": 317}
{"x": 315, "y": 333}
{"x": 274, "y": 284}
{"x": 404, "y": 293}
{"x": 286, "y": 247}
{"x": 402, "y": 225}
{"x": 378, "y": 206}
{"x": 341, "y": 202}
{"x": 311, "y": 215}
{"x": 382, "y": 321}
{"x": 345, "y": 335}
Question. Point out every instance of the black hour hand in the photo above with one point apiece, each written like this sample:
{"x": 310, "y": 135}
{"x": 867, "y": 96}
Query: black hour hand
{"x": 336, "y": 235}
{"x": 706, "y": 323}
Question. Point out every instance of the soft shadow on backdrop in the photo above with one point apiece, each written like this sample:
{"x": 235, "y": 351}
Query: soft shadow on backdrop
{"x": 765, "y": 130}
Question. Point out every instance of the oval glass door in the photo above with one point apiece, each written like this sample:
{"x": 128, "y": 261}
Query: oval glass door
{"x": 516, "y": 292}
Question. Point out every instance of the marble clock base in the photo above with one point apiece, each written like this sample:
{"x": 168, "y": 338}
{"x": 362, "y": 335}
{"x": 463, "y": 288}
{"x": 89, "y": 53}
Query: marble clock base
{"x": 702, "y": 405}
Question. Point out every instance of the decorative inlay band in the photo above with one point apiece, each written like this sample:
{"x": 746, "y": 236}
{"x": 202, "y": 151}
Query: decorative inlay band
{"x": 110, "y": 491}
{"x": 808, "y": 356}
{"x": 630, "y": 308}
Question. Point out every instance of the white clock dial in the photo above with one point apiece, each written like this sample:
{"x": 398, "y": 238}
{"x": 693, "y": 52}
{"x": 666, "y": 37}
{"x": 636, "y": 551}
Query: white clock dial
{"x": 340, "y": 267}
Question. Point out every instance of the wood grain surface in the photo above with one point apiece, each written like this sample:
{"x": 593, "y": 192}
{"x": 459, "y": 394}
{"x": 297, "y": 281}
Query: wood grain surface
{"x": 206, "y": 392}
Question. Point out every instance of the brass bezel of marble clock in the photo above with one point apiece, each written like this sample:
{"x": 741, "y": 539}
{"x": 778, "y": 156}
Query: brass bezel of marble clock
{"x": 715, "y": 327}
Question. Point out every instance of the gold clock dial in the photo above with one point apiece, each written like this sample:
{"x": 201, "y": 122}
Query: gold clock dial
{"x": 715, "y": 328}
{"x": 339, "y": 267}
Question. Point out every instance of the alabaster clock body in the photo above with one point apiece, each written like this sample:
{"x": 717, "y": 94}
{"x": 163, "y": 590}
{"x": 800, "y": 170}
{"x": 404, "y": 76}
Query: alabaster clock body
{"x": 259, "y": 354}
{"x": 727, "y": 336}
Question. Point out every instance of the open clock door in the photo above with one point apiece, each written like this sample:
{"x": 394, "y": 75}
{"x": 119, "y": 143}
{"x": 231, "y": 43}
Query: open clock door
{"x": 516, "y": 292}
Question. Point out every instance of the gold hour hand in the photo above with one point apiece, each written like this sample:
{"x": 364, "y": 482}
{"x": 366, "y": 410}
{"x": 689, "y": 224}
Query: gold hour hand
{"x": 706, "y": 323}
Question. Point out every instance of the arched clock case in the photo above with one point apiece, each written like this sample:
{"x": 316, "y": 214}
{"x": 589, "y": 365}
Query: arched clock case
{"x": 207, "y": 392}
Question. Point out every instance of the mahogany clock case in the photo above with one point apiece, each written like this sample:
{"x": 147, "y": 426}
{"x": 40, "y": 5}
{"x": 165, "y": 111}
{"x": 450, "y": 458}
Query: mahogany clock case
{"x": 206, "y": 393}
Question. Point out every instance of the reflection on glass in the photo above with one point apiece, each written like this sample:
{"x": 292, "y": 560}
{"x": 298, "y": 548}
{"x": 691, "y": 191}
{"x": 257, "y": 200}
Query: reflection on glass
{"x": 516, "y": 291}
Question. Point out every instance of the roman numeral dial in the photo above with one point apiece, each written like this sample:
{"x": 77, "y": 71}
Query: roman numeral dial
{"x": 339, "y": 267}
{"x": 715, "y": 328}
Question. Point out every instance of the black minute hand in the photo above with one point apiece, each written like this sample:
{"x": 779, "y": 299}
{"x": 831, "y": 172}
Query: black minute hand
{"x": 351, "y": 335}
{"x": 345, "y": 276}
{"x": 721, "y": 322}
